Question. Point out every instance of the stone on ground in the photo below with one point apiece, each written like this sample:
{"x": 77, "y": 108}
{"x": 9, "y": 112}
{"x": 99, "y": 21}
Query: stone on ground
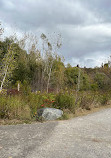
{"x": 49, "y": 113}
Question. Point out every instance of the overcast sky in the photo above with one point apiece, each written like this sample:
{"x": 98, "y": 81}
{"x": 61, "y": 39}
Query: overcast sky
{"x": 85, "y": 25}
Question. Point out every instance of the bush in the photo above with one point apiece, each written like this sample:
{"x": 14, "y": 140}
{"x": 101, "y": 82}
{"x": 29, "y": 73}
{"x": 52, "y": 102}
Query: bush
{"x": 25, "y": 106}
{"x": 104, "y": 98}
{"x": 14, "y": 107}
{"x": 86, "y": 100}
{"x": 64, "y": 101}
{"x": 3, "y": 92}
{"x": 89, "y": 99}
{"x": 25, "y": 88}
{"x": 37, "y": 101}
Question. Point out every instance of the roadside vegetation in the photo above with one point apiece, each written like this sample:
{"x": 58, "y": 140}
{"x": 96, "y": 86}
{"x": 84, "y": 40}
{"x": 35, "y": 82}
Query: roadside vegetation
{"x": 33, "y": 76}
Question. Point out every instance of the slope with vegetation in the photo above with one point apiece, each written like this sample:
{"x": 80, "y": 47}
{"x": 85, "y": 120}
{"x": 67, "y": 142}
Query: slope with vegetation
{"x": 45, "y": 81}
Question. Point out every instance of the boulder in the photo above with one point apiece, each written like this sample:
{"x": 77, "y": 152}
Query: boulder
{"x": 49, "y": 113}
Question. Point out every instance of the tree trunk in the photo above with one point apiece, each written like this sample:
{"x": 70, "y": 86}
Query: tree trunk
{"x": 4, "y": 78}
{"x": 48, "y": 80}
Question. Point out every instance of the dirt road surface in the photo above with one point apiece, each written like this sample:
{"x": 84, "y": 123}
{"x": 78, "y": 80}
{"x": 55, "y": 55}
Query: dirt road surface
{"x": 82, "y": 137}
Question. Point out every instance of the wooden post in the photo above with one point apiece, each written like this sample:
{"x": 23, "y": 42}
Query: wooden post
{"x": 18, "y": 87}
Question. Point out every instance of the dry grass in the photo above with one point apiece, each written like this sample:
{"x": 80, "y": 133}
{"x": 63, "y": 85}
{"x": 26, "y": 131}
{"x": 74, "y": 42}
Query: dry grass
{"x": 82, "y": 112}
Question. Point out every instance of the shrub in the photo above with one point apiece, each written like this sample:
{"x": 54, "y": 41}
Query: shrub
{"x": 3, "y": 92}
{"x": 86, "y": 100}
{"x": 14, "y": 107}
{"x": 32, "y": 101}
{"x": 37, "y": 101}
{"x": 3, "y": 107}
{"x": 25, "y": 88}
{"x": 92, "y": 99}
{"x": 104, "y": 98}
{"x": 64, "y": 101}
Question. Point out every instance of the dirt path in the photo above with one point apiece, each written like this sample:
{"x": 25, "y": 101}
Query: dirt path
{"x": 82, "y": 137}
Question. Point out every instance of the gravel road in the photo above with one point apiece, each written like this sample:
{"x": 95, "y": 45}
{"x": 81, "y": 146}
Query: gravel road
{"x": 82, "y": 137}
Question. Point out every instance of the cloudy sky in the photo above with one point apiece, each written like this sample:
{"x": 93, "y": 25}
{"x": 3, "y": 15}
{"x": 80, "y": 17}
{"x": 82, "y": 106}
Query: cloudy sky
{"x": 85, "y": 25}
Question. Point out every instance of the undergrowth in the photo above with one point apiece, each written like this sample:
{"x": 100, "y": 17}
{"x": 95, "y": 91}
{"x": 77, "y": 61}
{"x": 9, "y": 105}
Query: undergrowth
{"x": 24, "y": 107}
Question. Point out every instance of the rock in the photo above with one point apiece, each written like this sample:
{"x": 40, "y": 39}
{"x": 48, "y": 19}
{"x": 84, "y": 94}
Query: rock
{"x": 49, "y": 113}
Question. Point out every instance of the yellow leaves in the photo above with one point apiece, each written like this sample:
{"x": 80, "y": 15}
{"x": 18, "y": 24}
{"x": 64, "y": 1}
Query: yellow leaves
{"x": 3, "y": 91}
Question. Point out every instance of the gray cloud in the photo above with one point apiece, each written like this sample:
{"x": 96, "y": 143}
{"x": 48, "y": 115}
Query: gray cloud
{"x": 45, "y": 13}
{"x": 101, "y": 8}
{"x": 84, "y": 25}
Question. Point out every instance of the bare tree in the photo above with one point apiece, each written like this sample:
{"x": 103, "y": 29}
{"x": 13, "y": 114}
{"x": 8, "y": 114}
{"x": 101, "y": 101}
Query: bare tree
{"x": 8, "y": 65}
{"x": 49, "y": 55}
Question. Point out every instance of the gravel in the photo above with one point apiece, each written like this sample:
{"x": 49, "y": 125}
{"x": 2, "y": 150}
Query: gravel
{"x": 82, "y": 137}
